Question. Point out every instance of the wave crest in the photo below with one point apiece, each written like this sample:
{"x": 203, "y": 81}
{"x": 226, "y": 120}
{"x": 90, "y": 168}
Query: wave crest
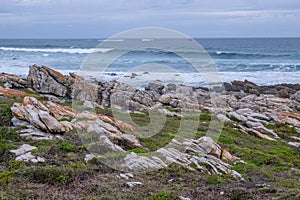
{"x": 58, "y": 50}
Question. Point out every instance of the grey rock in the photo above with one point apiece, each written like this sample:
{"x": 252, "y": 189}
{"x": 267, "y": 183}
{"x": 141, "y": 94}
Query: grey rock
{"x": 38, "y": 115}
{"x": 244, "y": 111}
{"x": 251, "y": 124}
{"x": 88, "y": 157}
{"x": 26, "y": 157}
{"x": 235, "y": 116}
{"x": 47, "y": 81}
{"x": 134, "y": 162}
{"x": 24, "y": 154}
{"x": 23, "y": 149}
{"x": 126, "y": 175}
{"x": 295, "y": 145}
{"x": 184, "y": 198}
{"x": 296, "y": 96}
{"x": 223, "y": 118}
{"x": 132, "y": 184}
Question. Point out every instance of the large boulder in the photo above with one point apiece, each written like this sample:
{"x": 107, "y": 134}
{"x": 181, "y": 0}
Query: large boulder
{"x": 47, "y": 81}
{"x": 37, "y": 114}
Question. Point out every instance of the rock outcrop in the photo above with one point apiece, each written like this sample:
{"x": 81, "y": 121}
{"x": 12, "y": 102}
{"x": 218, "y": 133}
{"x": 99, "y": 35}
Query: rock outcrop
{"x": 11, "y": 93}
{"x": 248, "y": 106}
{"x": 39, "y": 115}
{"x": 47, "y": 81}
{"x": 12, "y": 81}
{"x": 203, "y": 155}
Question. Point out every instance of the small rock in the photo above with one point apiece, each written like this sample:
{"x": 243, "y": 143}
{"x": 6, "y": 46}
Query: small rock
{"x": 130, "y": 175}
{"x": 24, "y": 154}
{"x": 237, "y": 117}
{"x": 295, "y": 145}
{"x": 296, "y": 96}
{"x": 244, "y": 111}
{"x": 171, "y": 180}
{"x": 23, "y": 149}
{"x": 295, "y": 138}
{"x": 123, "y": 176}
{"x": 184, "y": 198}
{"x": 295, "y": 170}
{"x": 126, "y": 176}
{"x": 260, "y": 116}
{"x": 251, "y": 124}
{"x": 262, "y": 185}
{"x": 88, "y": 157}
{"x": 26, "y": 157}
{"x": 223, "y": 118}
{"x": 40, "y": 159}
{"x": 222, "y": 193}
{"x": 132, "y": 184}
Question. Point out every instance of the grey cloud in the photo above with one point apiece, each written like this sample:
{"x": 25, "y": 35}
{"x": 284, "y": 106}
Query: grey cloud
{"x": 210, "y": 17}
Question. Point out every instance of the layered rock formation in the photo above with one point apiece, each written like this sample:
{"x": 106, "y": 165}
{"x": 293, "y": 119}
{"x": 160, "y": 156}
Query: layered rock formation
{"x": 250, "y": 107}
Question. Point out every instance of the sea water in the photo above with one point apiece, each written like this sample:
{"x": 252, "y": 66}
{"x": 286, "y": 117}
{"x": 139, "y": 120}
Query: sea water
{"x": 265, "y": 61}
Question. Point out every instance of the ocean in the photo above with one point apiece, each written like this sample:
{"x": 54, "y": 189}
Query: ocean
{"x": 265, "y": 61}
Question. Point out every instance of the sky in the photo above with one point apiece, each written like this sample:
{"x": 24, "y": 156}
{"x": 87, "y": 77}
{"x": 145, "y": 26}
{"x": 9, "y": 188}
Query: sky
{"x": 104, "y": 18}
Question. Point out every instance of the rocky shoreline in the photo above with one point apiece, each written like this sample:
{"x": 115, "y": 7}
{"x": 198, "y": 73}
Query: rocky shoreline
{"x": 52, "y": 104}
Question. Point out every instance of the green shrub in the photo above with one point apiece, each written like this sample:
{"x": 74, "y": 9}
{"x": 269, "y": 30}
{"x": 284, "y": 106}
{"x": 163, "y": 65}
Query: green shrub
{"x": 67, "y": 146}
{"x": 163, "y": 195}
{"x": 138, "y": 150}
{"x": 214, "y": 180}
{"x": 5, "y": 112}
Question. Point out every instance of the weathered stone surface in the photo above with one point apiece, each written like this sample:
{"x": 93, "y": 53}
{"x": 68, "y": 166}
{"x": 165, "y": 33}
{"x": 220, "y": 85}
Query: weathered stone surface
{"x": 132, "y": 184}
{"x": 286, "y": 117}
{"x": 83, "y": 91}
{"x": 47, "y": 81}
{"x": 296, "y": 96}
{"x": 60, "y": 112}
{"x": 23, "y": 149}
{"x": 24, "y": 154}
{"x": 102, "y": 125}
{"x": 13, "y": 81}
{"x": 37, "y": 114}
{"x": 203, "y": 153}
{"x": 52, "y": 98}
{"x": 295, "y": 145}
{"x": 261, "y": 135}
{"x": 11, "y": 93}
{"x": 236, "y": 116}
{"x": 169, "y": 113}
{"x": 223, "y": 118}
{"x": 134, "y": 162}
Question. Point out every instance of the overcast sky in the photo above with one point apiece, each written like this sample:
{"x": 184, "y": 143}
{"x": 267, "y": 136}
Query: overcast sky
{"x": 103, "y": 18}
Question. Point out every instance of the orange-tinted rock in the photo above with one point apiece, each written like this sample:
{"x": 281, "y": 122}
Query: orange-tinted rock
{"x": 37, "y": 114}
{"x": 76, "y": 77}
{"x": 59, "y": 111}
{"x": 121, "y": 125}
{"x": 55, "y": 74}
{"x": 286, "y": 117}
{"x": 226, "y": 156}
{"x": 11, "y": 93}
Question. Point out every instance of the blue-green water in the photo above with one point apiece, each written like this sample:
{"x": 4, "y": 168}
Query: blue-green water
{"x": 262, "y": 60}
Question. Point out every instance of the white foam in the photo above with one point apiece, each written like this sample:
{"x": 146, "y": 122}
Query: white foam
{"x": 59, "y": 50}
{"x": 146, "y": 40}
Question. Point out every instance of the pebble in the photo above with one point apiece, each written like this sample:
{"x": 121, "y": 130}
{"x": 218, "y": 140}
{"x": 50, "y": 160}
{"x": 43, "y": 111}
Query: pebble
{"x": 184, "y": 198}
{"x": 131, "y": 184}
